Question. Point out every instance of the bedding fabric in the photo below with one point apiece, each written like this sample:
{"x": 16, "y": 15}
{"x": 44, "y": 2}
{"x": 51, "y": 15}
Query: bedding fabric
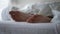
{"x": 27, "y": 28}
{"x": 58, "y": 28}
{"x": 5, "y": 13}
{"x": 38, "y": 8}
{"x": 56, "y": 18}
{"x": 55, "y": 6}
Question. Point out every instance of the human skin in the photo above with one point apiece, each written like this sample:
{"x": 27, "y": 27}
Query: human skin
{"x": 19, "y": 16}
{"x": 23, "y": 17}
{"x": 38, "y": 19}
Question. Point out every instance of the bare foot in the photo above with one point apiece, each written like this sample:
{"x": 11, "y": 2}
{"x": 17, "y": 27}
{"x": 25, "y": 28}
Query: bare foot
{"x": 18, "y": 16}
{"x": 38, "y": 19}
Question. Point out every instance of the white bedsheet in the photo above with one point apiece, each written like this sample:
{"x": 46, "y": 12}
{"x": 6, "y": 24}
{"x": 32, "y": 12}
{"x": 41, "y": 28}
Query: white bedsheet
{"x": 27, "y": 28}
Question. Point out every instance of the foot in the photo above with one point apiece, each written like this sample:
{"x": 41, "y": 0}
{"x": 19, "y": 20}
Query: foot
{"x": 18, "y": 16}
{"x": 38, "y": 19}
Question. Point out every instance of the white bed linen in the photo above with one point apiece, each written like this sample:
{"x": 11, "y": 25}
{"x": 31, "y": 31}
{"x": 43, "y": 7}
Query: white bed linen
{"x": 58, "y": 28}
{"x": 27, "y": 28}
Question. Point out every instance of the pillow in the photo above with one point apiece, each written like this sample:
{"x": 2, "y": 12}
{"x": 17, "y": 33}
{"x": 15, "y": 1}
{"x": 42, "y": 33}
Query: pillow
{"x": 56, "y": 18}
{"x": 38, "y": 8}
{"x": 55, "y": 6}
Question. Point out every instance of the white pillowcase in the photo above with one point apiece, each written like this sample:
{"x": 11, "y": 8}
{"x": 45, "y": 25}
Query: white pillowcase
{"x": 56, "y": 18}
{"x": 37, "y": 8}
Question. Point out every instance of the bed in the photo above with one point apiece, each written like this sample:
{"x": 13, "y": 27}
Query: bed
{"x": 10, "y": 27}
